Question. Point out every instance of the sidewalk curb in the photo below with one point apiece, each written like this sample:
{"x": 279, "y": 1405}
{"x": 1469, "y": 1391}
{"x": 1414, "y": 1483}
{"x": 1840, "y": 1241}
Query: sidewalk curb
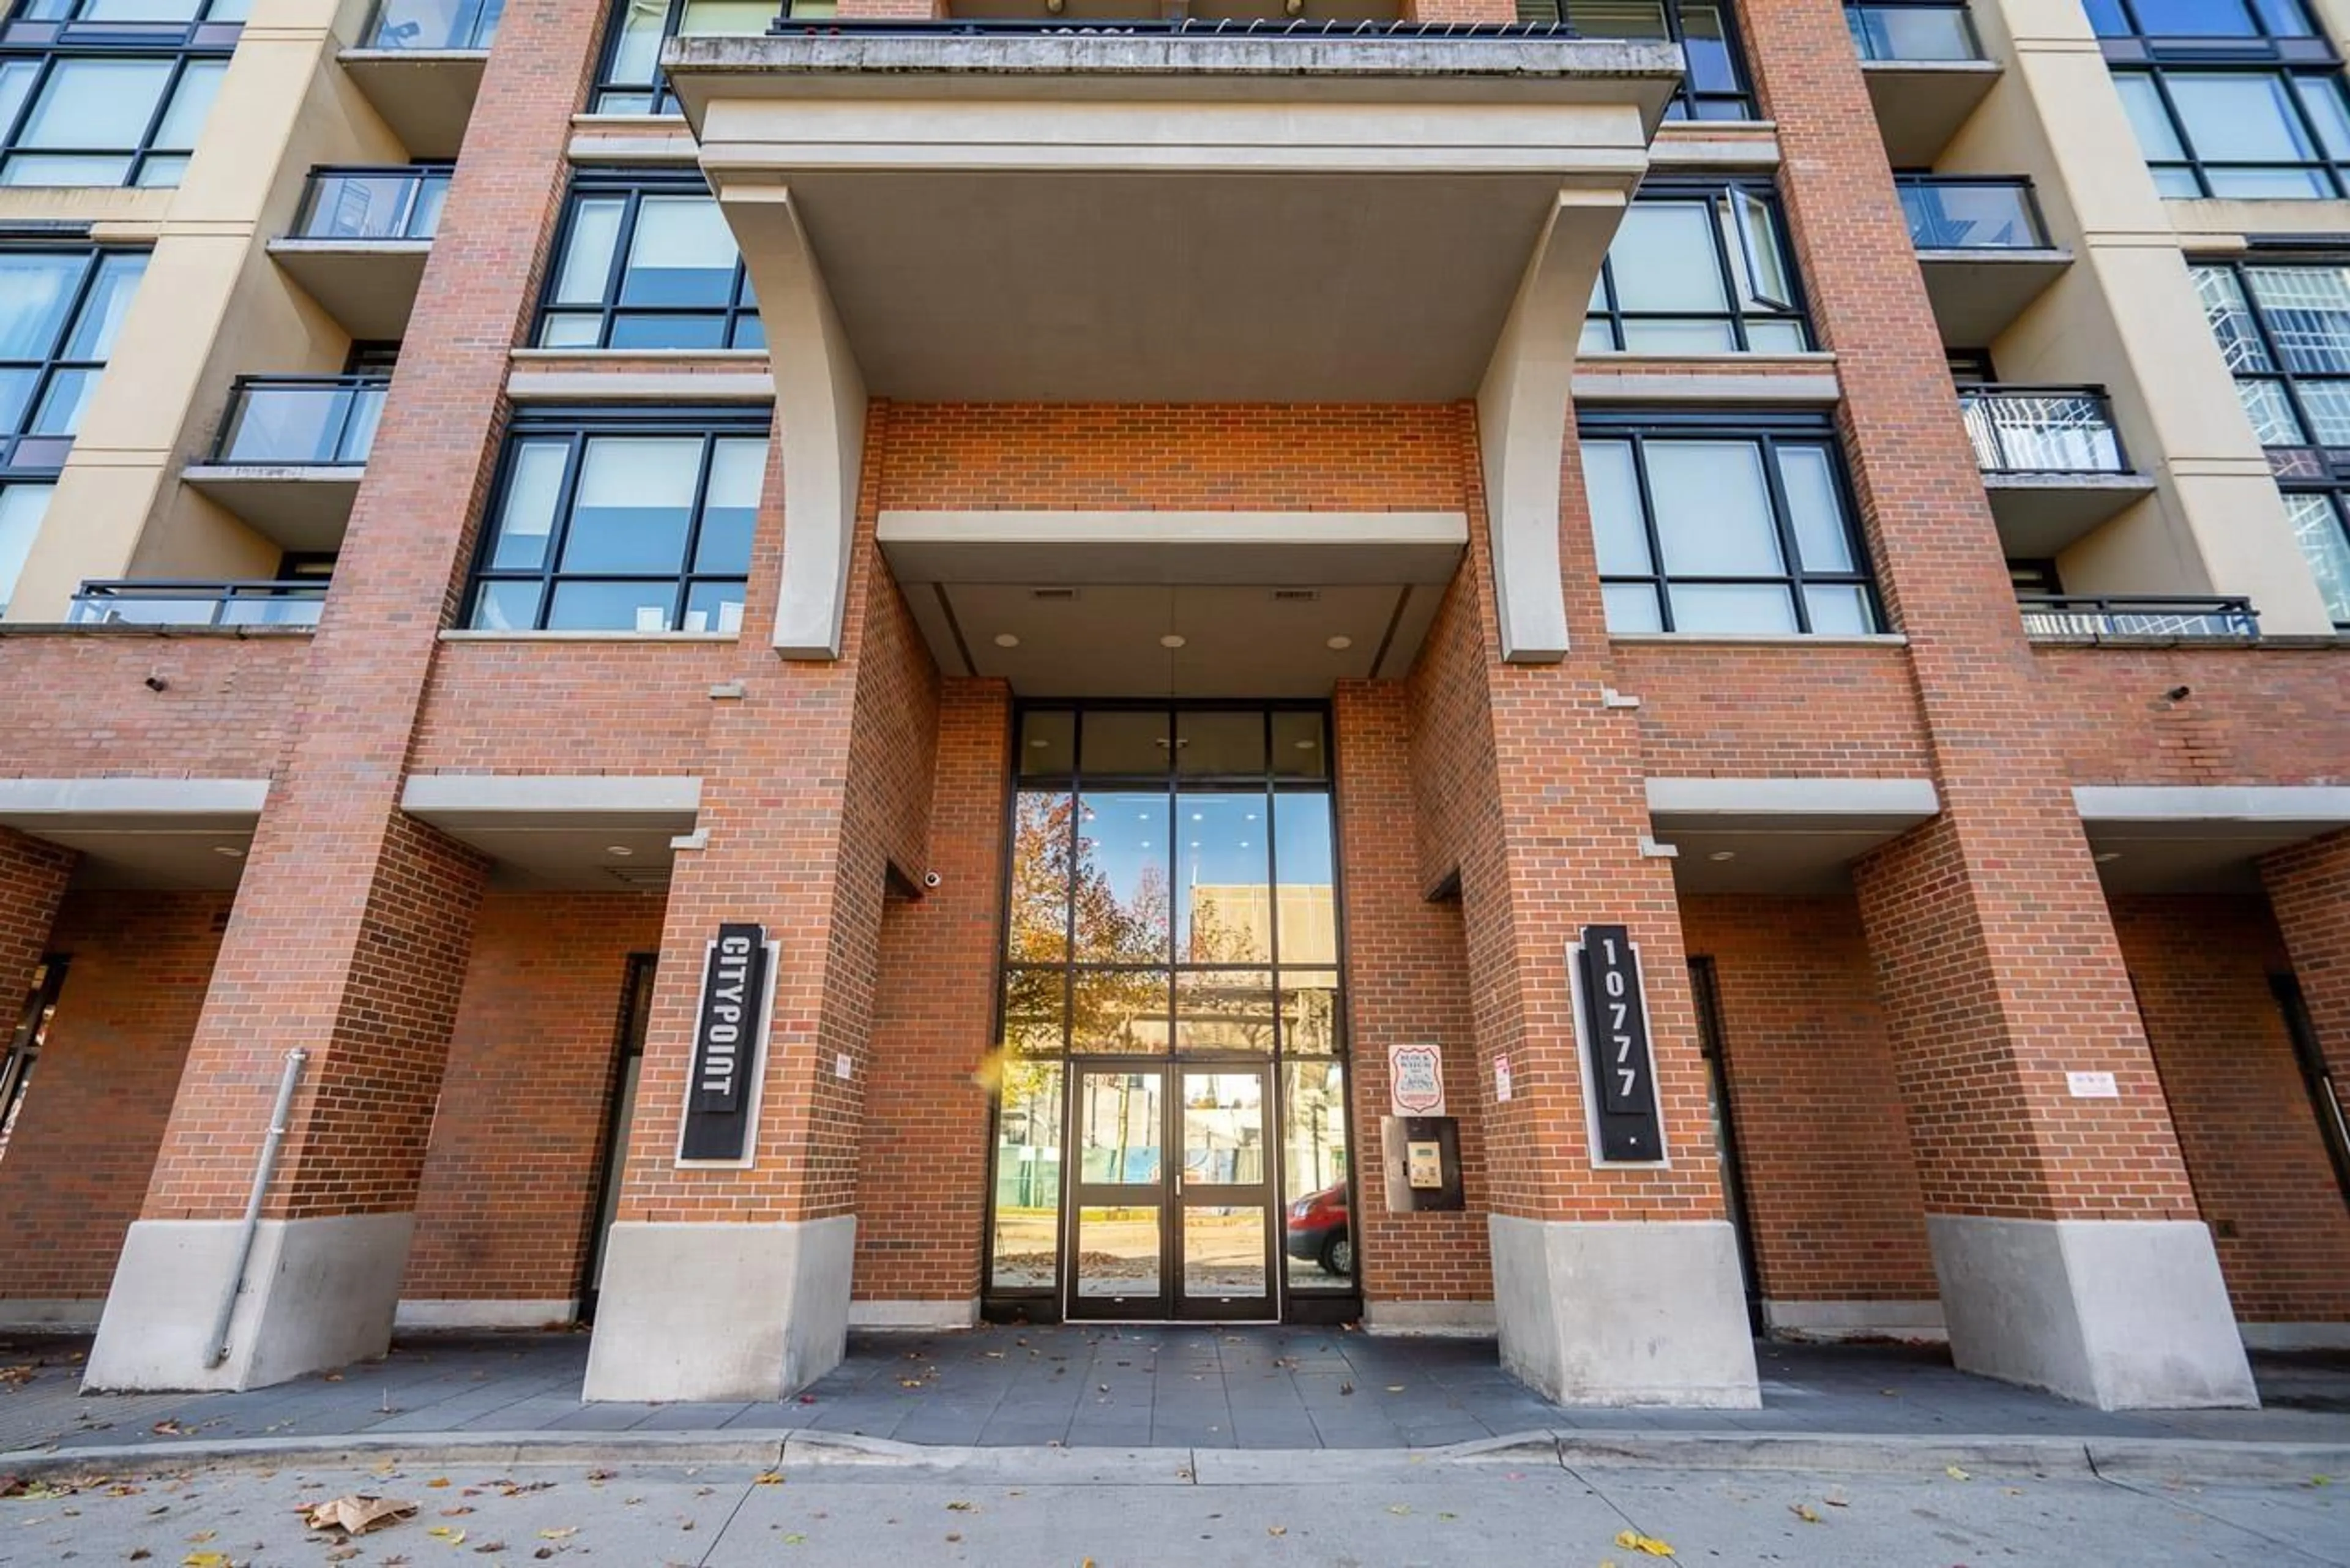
{"x": 2112, "y": 1459}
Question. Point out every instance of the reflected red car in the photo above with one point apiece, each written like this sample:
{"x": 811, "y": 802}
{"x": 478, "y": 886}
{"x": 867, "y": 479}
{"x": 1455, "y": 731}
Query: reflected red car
{"x": 1317, "y": 1229}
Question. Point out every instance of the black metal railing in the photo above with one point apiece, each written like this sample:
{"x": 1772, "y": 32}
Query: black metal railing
{"x": 2098, "y": 615}
{"x": 2042, "y": 430}
{"x": 1936, "y": 32}
{"x": 786, "y": 25}
{"x": 434, "y": 25}
{"x": 396, "y": 203}
{"x": 305, "y": 421}
{"x": 192, "y": 602}
{"x": 1951, "y": 213}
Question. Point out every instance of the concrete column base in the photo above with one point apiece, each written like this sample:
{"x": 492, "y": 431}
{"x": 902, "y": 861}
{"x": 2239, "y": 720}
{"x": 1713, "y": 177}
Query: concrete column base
{"x": 2125, "y": 1314}
{"x": 318, "y": 1294}
{"x": 732, "y": 1311}
{"x": 927, "y": 1316}
{"x": 1625, "y": 1312}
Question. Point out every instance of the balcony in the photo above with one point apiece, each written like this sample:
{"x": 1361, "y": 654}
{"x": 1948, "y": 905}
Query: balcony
{"x": 2138, "y": 617}
{"x": 1925, "y": 74}
{"x": 290, "y": 452}
{"x": 420, "y": 65}
{"x": 1171, "y": 211}
{"x": 1983, "y": 250}
{"x": 2052, "y": 463}
{"x": 183, "y": 602}
{"x": 359, "y": 241}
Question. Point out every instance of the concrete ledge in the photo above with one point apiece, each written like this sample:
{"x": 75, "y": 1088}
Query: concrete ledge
{"x": 75, "y": 1316}
{"x": 465, "y": 799}
{"x": 2318, "y": 808}
{"x": 1270, "y": 548}
{"x": 426, "y": 1316}
{"x": 1596, "y": 384}
{"x": 1856, "y": 1320}
{"x": 1462, "y": 1319}
{"x": 914, "y": 1315}
{"x": 1792, "y": 803}
{"x": 640, "y": 386}
{"x": 2295, "y": 1336}
{"x": 33, "y": 804}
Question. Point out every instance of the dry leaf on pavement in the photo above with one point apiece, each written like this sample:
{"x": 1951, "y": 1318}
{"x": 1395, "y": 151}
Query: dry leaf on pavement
{"x": 357, "y": 1515}
{"x": 1804, "y": 1512}
{"x": 1633, "y": 1540}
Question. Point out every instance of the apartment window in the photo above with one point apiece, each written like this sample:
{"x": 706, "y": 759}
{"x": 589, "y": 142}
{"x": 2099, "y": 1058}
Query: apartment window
{"x": 109, "y": 92}
{"x": 2184, "y": 19}
{"x": 1705, "y": 523}
{"x": 2267, "y": 134}
{"x": 1699, "y": 269}
{"x": 2284, "y": 331}
{"x": 1714, "y": 88}
{"x": 631, "y": 81}
{"x": 646, "y": 261}
{"x": 637, "y": 524}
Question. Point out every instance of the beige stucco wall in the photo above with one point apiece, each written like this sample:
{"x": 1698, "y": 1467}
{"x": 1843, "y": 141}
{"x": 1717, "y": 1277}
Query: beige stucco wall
{"x": 213, "y": 306}
{"x": 2125, "y": 316}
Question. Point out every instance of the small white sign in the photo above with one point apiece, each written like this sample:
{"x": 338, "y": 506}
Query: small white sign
{"x": 1416, "y": 1080}
{"x": 1502, "y": 1079}
{"x": 840, "y": 1065}
{"x": 2093, "y": 1085}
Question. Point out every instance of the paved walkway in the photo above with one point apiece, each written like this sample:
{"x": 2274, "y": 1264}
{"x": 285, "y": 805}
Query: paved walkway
{"x": 1100, "y": 1387}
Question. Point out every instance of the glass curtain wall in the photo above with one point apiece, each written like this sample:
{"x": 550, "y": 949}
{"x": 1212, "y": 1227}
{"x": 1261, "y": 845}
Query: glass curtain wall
{"x": 1170, "y": 897}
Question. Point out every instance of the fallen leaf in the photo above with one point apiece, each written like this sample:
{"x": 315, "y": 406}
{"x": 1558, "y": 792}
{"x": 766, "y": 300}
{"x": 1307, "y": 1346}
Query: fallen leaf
{"x": 954, "y": 1535}
{"x": 960, "y": 1507}
{"x": 488, "y": 1547}
{"x": 201, "y": 1536}
{"x": 442, "y": 1532}
{"x": 1276, "y": 1530}
{"x": 204, "y": 1560}
{"x": 2321, "y": 1481}
{"x": 768, "y": 1478}
{"x": 139, "y": 1554}
{"x": 1633, "y": 1540}
{"x": 1395, "y": 1387}
{"x": 168, "y": 1429}
{"x": 438, "y": 1481}
{"x": 796, "y": 1538}
{"x": 1399, "y": 1509}
{"x": 1804, "y": 1512}
{"x": 1955, "y": 1473}
{"x": 357, "y": 1515}
{"x": 1345, "y": 1388}
{"x": 566, "y": 1533}
{"x": 459, "y": 1511}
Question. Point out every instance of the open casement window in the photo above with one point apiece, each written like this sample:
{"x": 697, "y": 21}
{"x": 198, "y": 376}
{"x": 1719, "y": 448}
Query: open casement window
{"x": 1713, "y": 87}
{"x": 1724, "y": 525}
{"x": 1698, "y": 269}
{"x": 631, "y": 82}
{"x": 607, "y": 523}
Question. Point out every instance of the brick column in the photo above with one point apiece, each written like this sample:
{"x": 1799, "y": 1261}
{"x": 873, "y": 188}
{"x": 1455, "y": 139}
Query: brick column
{"x": 33, "y": 876}
{"x": 2064, "y": 1232}
{"x": 2309, "y": 890}
{"x": 1612, "y": 1283}
{"x": 733, "y": 1283}
{"x": 353, "y": 923}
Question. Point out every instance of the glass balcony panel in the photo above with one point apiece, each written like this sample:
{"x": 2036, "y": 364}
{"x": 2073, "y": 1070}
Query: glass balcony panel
{"x": 435, "y": 25}
{"x": 2066, "y": 616}
{"x": 1913, "y": 33}
{"x": 2056, "y": 430}
{"x": 1971, "y": 215}
{"x": 373, "y": 204}
{"x": 295, "y": 603}
{"x": 301, "y": 421}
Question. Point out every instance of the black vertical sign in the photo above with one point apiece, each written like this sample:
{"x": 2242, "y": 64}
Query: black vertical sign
{"x": 1615, "y": 1022}
{"x": 726, "y": 1045}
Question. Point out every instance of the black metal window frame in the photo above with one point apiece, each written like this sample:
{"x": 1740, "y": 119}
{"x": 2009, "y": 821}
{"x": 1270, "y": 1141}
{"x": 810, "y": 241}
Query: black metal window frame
{"x": 633, "y": 186}
{"x": 2334, "y": 167}
{"x": 20, "y": 1052}
{"x": 1688, "y": 101}
{"x": 2131, "y": 40}
{"x": 52, "y": 44}
{"x": 2027, "y": 202}
{"x": 420, "y": 177}
{"x": 1859, "y": 16}
{"x": 1077, "y": 783}
{"x": 1603, "y": 310}
{"x": 1767, "y": 430}
{"x": 2310, "y": 469}
{"x": 23, "y": 453}
{"x": 658, "y": 97}
{"x": 578, "y": 426}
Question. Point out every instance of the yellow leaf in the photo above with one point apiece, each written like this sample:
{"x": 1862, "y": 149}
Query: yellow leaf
{"x": 442, "y": 1532}
{"x": 1276, "y": 1530}
{"x": 1806, "y": 1512}
{"x": 1399, "y": 1509}
{"x": 566, "y": 1533}
{"x": 1633, "y": 1540}
{"x": 768, "y": 1478}
{"x": 204, "y": 1560}
{"x": 438, "y": 1481}
{"x": 1955, "y": 1473}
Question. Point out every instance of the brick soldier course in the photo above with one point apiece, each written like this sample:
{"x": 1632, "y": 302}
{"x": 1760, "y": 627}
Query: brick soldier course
{"x": 2028, "y": 956}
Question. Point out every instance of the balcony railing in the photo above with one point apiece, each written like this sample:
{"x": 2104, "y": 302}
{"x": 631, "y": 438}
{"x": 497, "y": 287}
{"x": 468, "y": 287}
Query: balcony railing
{"x": 788, "y": 24}
{"x": 1930, "y": 33}
{"x": 2165, "y": 616}
{"x": 180, "y": 602}
{"x": 372, "y": 203}
{"x": 1949, "y": 213}
{"x": 2042, "y": 430}
{"x": 434, "y": 25}
{"x": 301, "y": 421}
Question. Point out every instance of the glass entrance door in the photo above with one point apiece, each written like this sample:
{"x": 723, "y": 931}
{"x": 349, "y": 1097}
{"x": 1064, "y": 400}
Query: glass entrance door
{"x": 1172, "y": 1207}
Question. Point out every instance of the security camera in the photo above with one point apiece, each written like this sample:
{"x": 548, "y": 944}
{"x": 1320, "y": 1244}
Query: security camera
{"x": 931, "y": 878}
{"x": 2179, "y": 694}
{"x": 156, "y": 683}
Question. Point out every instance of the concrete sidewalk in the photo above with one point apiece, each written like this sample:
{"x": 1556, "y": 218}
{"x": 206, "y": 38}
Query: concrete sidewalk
{"x": 1098, "y": 1387}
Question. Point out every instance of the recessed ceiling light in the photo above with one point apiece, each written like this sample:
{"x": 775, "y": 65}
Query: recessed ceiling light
{"x": 1340, "y": 644}
{"x": 1304, "y": 745}
{"x": 1723, "y": 855}
{"x": 1173, "y": 640}
{"x": 233, "y": 852}
{"x": 2105, "y": 854}
{"x": 1039, "y": 743}
{"x": 1008, "y": 640}
{"x": 620, "y": 849}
